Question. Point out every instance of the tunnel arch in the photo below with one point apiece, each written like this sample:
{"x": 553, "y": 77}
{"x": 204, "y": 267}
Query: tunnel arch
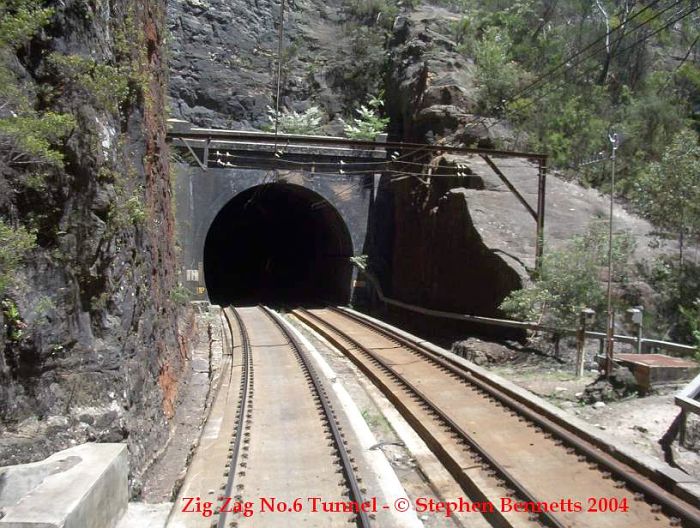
{"x": 278, "y": 243}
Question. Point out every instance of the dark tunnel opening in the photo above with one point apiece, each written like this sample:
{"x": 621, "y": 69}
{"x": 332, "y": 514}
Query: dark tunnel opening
{"x": 278, "y": 243}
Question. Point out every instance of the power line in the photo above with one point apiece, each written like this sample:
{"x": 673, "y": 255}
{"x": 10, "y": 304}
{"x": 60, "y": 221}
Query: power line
{"x": 642, "y": 39}
{"x": 345, "y": 165}
{"x": 460, "y": 169}
{"x": 457, "y": 174}
{"x": 547, "y": 75}
{"x": 566, "y": 62}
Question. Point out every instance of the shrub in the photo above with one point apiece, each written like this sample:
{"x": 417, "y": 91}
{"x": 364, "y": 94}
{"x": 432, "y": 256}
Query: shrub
{"x": 15, "y": 243}
{"x": 691, "y": 318}
{"x": 20, "y": 20}
{"x": 107, "y": 85}
{"x": 180, "y": 295}
{"x": 291, "y": 122}
{"x": 497, "y": 74}
{"x": 570, "y": 279}
{"x": 28, "y": 139}
{"x": 370, "y": 124}
{"x": 374, "y": 11}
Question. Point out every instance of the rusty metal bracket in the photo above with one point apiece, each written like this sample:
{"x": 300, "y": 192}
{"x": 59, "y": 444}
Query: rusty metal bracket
{"x": 202, "y": 164}
{"x": 538, "y": 215}
{"x": 510, "y": 186}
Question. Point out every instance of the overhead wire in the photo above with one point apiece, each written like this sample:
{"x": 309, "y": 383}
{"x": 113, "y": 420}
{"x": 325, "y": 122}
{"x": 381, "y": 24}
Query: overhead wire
{"x": 344, "y": 165}
{"x": 668, "y": 23}
{"x": 582, "y": 56}
{"x": 362, "y": 173}
{"x": 567, "y": 62}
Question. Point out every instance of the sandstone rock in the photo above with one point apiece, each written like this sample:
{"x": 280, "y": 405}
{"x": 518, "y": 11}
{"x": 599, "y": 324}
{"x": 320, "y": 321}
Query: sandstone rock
{"x": 481, "y": 352}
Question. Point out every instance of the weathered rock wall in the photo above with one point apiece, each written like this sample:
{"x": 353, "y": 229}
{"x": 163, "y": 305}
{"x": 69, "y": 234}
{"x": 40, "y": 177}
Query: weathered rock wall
{"x": 223, "y": 70}
{"x": 427, "y": 246}
{"x": 103, "y": 347}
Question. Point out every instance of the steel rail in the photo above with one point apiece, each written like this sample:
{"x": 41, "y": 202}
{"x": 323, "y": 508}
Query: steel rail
{"x": 243, "y": 404}
{"x": 362, "y": 519}
{"x": 672, "y": 505}
{"x": 546, "y": 517}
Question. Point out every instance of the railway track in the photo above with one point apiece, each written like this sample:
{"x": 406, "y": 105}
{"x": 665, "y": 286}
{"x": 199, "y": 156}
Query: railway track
{"x": 499, "y": 450}
{"x": 286, "y": 445}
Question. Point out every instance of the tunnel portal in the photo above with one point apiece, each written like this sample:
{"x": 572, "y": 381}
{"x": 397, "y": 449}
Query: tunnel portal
{"x": 278, "y": 243}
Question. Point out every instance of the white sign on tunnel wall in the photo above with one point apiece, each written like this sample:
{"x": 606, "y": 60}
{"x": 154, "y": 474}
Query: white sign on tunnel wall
{"x": 192, "y": 275}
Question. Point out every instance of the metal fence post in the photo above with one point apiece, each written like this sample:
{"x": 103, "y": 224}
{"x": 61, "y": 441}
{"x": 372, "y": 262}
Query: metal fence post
{"x": 586, "y": 317}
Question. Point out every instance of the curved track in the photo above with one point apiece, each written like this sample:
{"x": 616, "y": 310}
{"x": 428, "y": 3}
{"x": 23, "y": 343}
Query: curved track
{"x": 498, "y": 449}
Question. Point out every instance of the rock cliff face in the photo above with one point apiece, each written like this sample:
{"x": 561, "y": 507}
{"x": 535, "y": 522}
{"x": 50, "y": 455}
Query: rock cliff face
{"x": 430, "y": 86}
{"x": 223, "y": 66}
{"x": 103, "y": 346}
{"x": 462, "y": 244}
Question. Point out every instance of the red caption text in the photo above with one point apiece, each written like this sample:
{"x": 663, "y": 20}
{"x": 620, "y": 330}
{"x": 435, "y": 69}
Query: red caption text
{"x": 262, "y": 505}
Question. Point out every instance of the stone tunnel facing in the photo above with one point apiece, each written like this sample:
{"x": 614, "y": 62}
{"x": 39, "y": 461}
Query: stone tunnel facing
{"x": 278, "y": 243}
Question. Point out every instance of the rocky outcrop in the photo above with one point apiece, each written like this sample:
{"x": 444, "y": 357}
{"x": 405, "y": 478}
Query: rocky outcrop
{"x": 438, "y": 258}
{"x": 223, "y": 68}
{"x": 430, "y": 87}
{"x": 103, "y": 347}
{"x": 462, "y": 244}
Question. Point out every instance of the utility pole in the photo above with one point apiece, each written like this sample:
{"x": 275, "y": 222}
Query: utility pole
{"x": 609, "y": 342}
{"x": 280, "y": 46}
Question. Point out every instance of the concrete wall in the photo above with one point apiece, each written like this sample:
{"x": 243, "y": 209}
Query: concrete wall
{"x": 84, "y": 486}
{"x": 200, "y": 195}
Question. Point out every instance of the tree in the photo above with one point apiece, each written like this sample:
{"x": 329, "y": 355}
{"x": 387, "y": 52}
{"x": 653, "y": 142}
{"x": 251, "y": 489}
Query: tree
{"x": 570, "y": 279}
{"x": 27, "y": 137}
{"x": 668, "y": 192}
{"x": 498, "y": 75}
{"x": 15, "y": 244}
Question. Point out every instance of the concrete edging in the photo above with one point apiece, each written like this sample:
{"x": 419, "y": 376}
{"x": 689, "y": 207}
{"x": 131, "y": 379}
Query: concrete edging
{"x": 89, "y": 489}
{"x": 674, "y": 480}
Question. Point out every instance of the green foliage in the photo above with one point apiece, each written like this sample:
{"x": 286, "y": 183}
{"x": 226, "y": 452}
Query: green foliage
{"x": 646, "y": 89}
{"x": 370, "y": 123}
{"x": 569, "y": 134}
{"x": 464, "y": 34}
{"x": 668, "y": 192}
{"x": 691, "y": 317}
{"x": 498, "y": 76}
{"x": 30, "y": 138}
{"x": 27, "y": 136}
{"x": 20, "y": 20}
{"x": 382, "y": 12}
{"x": 308, "y": 122}
{"x": 107, "y": 85}
{"x": 180, "y": 295}
{"x": 126, "y": 213}
{"x": 361, "y": 70}
{"x": 570, "y": 279}
{"x": 13, "y": 320}
{"x": 677, "y": 289}
{"x": 15, "y": 243}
